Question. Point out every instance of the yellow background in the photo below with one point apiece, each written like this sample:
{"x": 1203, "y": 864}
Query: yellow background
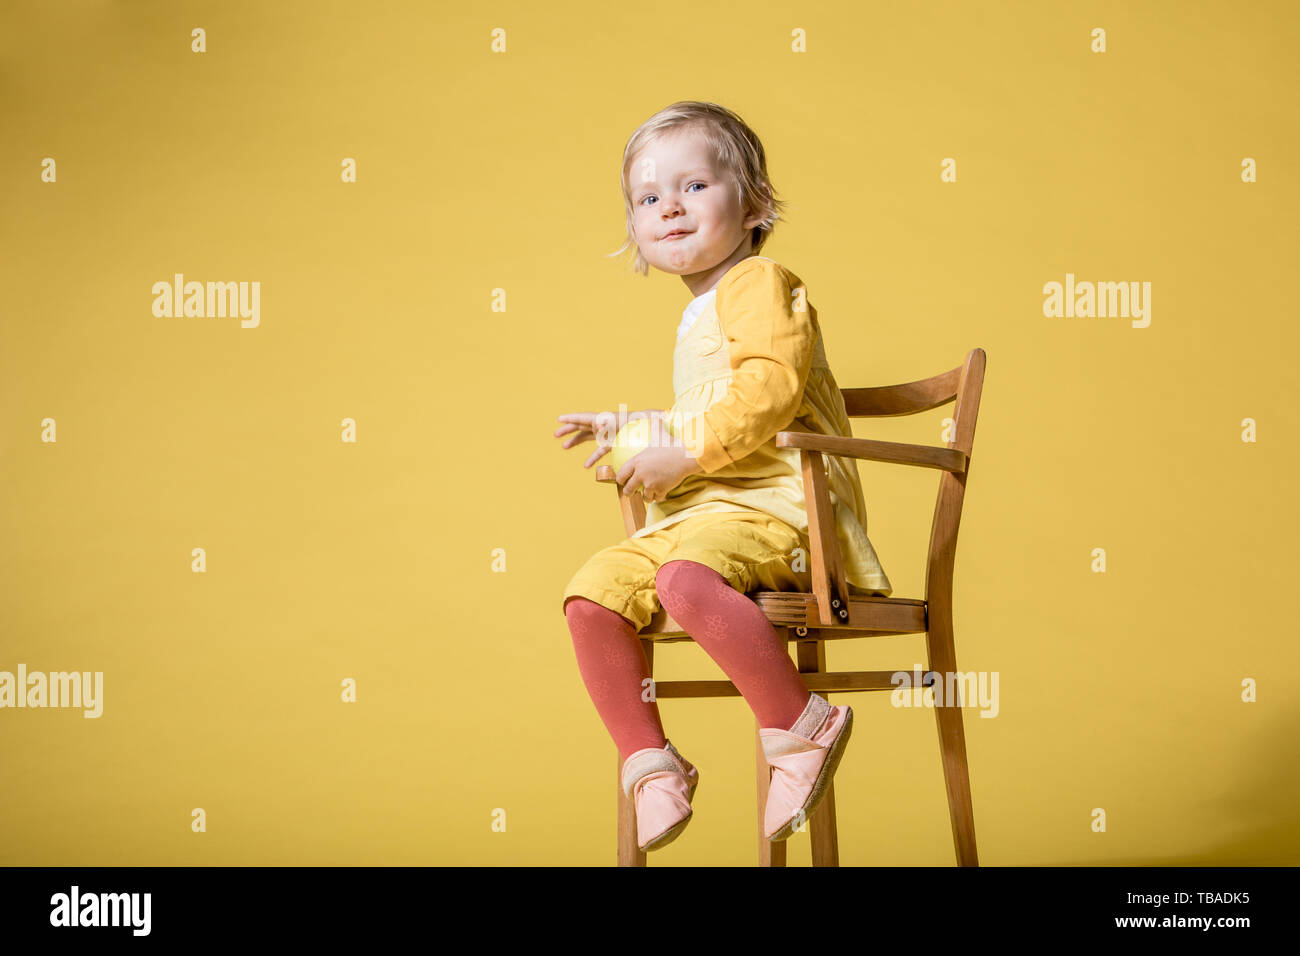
{"x": 481, "y": 171}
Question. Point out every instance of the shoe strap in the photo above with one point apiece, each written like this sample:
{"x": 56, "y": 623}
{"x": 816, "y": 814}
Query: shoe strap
{"x": 648, "y": 761}
{"x": 782, "y": 743}
{"x": 812, "y": 718}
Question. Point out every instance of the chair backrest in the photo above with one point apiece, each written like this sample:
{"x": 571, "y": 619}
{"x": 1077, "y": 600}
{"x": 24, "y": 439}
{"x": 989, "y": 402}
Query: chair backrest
{"x": 962, "y": 384}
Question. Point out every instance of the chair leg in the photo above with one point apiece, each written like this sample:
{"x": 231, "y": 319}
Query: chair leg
{"x": 823, "y": 832}
{"x": 629, "y": 851}
{"x": 825, "y": 840}
{"x": 769, "y": 853}
{"x": 952, "y": 740}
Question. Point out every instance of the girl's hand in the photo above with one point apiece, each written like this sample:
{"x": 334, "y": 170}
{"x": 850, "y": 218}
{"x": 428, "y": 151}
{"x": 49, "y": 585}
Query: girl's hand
{"x": 603, "y": 427}
{"x": 657, "y": 470}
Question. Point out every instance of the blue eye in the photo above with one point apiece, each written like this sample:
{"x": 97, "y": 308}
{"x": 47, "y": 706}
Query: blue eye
{"x": 641, "y": 201}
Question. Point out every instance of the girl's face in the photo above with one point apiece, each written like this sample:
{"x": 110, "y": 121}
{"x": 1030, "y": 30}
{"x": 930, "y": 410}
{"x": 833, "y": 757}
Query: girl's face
{"x": 687, "y": 216}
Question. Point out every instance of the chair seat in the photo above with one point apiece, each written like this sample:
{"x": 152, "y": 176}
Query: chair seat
{"x": 868, "y": 614}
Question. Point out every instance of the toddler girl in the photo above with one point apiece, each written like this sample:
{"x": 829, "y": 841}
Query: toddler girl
{"x": 725, "y": 511}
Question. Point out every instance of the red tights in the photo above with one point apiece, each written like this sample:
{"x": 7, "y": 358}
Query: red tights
{"x": 730, "y": 627}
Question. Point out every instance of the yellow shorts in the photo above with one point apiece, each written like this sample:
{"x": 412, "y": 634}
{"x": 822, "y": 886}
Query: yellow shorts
{"x": 753, "y": 552}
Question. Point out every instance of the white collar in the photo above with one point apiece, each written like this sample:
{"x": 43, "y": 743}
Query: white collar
{"x": 692, "y": 312}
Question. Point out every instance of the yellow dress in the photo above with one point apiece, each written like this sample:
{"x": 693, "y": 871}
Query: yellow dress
{"x": 753, "y": 364}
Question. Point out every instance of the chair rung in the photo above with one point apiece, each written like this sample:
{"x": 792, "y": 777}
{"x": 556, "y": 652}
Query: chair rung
{"x": 833, "y": 683}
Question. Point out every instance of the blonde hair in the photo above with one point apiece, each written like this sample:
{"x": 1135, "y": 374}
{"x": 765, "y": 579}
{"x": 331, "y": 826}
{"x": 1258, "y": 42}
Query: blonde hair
{"x": 738, "y": 150}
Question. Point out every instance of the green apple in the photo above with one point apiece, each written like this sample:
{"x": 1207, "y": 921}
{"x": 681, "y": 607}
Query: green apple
{"x": 632, "y": 438}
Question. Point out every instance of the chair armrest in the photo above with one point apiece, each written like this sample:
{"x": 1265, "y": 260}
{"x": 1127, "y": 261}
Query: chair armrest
{"x": 901, "y": 453}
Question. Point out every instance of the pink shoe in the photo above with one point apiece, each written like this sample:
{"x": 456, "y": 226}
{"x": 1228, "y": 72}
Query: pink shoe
{"x": 803, "y": 761}
{"x": 661, "y": 783}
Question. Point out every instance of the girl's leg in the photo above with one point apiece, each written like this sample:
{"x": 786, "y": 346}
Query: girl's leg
{"x": 613, "y": 666}
{"x": 735, "y": 632}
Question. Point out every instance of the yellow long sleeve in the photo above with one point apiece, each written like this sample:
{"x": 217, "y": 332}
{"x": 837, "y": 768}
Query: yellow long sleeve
{"x": 771, "y": 344}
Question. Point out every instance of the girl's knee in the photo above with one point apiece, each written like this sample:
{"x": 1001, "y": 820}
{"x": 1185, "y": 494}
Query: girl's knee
{"x": 580, "y": 606}
{"x": 681, "y": 582}
{"x": 582, "y": 611}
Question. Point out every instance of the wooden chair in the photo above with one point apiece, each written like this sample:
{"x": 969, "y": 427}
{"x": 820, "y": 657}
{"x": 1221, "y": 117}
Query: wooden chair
{"x": 832, "y": 612}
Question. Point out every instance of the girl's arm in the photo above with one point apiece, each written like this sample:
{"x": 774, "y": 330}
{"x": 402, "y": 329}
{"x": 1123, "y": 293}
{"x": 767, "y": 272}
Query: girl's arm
{"x": 771, "y": 346}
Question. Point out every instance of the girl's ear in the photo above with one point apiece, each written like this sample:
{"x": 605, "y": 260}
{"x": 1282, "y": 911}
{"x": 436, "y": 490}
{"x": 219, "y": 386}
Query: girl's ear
{"x": 764, "y": 210}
